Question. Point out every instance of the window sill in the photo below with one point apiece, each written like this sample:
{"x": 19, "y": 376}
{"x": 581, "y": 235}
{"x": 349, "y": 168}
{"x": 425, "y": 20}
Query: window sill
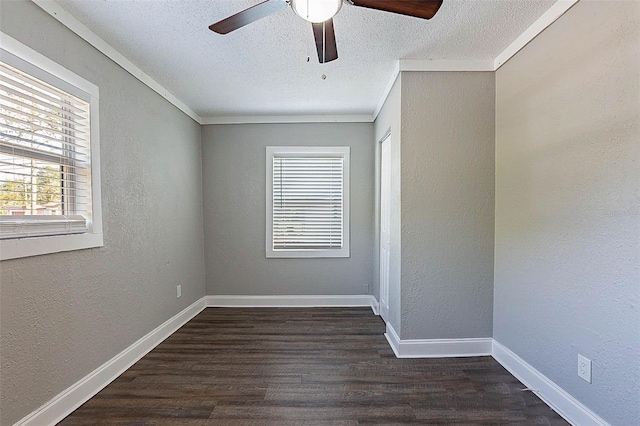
{"x": 36, "y": 246}
{"x": 297, "y": 254}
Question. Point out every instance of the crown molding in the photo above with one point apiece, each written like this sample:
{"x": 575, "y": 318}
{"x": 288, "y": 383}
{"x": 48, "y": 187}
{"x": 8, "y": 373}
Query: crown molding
{"x": 273, "y": 119}
{"x": 444, "y": 65}
{"x": 403, "y": 65}
{"x": 549, "y": 17}
{"x": 426, "y": 65}
{"x": 387, "y": 89}
{"x": 542, "y": 23}
{"x": 69, "y": 21}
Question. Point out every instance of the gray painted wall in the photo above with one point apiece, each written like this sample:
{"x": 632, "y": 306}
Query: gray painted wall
{"x": 447, "y": 143}
{"x": 567, "y": 259}
{"x": 234, "y": 211}
{"x": 389, "y": 120}
{"x": 63, "y": 315}
{"x": 567, "y": 234}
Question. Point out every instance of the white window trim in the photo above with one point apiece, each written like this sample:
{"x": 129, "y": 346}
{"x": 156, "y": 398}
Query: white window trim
{"x": 343, "y": 151}
{"x": 34, "y": 246}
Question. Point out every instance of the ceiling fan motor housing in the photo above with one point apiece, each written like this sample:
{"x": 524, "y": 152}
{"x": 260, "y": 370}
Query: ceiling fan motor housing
{"x": 316, "y": 11}
{"x": 320, "y": 13}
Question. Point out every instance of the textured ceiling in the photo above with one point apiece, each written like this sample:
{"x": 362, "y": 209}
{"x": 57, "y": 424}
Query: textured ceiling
{"x": 262, "y": 69}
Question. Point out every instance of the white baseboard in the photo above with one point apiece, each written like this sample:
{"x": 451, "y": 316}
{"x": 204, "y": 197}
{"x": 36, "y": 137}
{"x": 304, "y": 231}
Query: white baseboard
{"x": 557, "y": 398}
{"x": 393, "y": 339}
{"x": 553, "y": 395}
{"x": 437, "y": 348}
{"x": 384, "y": 311}
{"x": 291, "y": 301}
{"x": 67, "y": 401}
{"x": 375, "y": 306}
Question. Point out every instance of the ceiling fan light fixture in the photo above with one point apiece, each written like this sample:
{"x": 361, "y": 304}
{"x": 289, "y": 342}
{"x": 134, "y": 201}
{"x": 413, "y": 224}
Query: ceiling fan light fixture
{"x": 316, "y": 11}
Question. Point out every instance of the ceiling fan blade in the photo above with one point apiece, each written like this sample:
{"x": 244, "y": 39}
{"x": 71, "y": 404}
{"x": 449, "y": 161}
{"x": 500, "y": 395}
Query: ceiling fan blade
{"x": 248, "y": 16}
{"x": 425, "y": 9}
{"x": 325, "y": 41}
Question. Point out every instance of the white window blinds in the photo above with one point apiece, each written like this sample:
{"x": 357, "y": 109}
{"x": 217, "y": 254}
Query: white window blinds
{"x": 308, "y": 203}
{"x": 44, "y": 157}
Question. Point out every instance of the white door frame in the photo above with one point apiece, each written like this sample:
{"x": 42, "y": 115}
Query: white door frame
{"x": 384, "y": 249}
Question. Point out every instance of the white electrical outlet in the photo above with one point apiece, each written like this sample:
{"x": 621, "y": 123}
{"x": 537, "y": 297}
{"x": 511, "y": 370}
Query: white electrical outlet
{"x": 584, "y": 368}
{"x": 178, "y": 291}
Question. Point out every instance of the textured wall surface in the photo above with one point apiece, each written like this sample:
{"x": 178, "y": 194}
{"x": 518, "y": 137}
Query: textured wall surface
{"x": 447, "y": 204}
{"x": 389, "y": 120}
{"x": 567, "y": 262}
{"x": 234, "y": 172}
{"x": 63, "y": 315}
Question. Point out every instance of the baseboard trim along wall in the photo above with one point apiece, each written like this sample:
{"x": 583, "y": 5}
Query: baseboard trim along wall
{"x": 553, "y": 395}
{"x": 292, "y": 301}
{"x": 73, "y": 397}
{"x": 67, "y": 401}
{"x": 437, "y": 348}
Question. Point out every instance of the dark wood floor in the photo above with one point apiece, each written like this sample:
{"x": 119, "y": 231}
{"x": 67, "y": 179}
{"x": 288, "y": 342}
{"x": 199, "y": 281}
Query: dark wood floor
{"x": 320, "y": 366}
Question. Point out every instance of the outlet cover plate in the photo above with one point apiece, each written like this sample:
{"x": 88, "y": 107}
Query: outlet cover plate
{"x": 584, "y": 368}
{"x": 178, "y": 291}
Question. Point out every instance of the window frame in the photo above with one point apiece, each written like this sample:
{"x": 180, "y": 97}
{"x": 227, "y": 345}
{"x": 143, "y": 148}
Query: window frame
{"x": 308, "y": 151}
{"x": 36, "y": 245}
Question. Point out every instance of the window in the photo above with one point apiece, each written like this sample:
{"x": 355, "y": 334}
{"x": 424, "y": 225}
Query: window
{"x": 49, "y": 181}
{"x": 307, "y": 202}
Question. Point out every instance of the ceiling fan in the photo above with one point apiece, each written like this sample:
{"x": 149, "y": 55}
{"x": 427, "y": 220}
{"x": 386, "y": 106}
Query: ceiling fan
{"x": 320, "y": 13}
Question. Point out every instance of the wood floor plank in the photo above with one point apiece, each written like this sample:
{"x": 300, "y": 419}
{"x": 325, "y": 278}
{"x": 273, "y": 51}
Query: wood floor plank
{"x": 311, "y": 366}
